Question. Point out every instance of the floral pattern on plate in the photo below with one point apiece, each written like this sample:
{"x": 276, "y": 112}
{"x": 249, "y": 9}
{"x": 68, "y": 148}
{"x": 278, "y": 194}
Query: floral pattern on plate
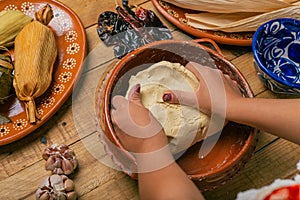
{"x": 71, "y": 42}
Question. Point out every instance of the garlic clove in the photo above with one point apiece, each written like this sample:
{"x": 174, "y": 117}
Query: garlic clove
{"x": 69, "y": 185}
{"x": 44, "y": 196}
{"x": 49, "y": 165}
{"x": 72, "y": 196}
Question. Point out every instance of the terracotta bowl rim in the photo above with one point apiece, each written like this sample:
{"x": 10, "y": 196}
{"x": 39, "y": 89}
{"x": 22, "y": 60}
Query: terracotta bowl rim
{"x": 251, "y": 139}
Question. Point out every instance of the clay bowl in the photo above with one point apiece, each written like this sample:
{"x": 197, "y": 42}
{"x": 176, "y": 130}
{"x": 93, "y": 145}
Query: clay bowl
{"x": 276, "y": 49}
{"x": 234, "y": 146}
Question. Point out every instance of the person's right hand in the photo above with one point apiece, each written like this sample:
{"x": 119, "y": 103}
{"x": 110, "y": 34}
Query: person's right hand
{"x": 140, "y": 133}
{"x": 135, "y": 126}
{"x": 212, "y": 84}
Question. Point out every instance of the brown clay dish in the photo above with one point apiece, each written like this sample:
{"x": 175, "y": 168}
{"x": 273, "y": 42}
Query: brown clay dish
{"x": 176, "y": 16}
{"x": 71, "y": 42}
{"x": 236, "y": 143}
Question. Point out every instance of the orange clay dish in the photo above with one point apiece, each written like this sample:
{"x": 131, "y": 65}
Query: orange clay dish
{"x": 176, "y": 16}
{"x": 71, "y": 44}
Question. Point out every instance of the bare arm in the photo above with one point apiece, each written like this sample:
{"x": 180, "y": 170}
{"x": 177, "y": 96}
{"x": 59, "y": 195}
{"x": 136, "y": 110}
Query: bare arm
{"x": 168, "y": 183}
{"x": 159, "y": 176}
{"x": 276, "y": 116}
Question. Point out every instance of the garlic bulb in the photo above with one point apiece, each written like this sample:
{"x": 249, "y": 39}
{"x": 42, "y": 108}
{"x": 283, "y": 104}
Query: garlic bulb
{"x": 60, "y": 159}
{"x": 56, "y": 187}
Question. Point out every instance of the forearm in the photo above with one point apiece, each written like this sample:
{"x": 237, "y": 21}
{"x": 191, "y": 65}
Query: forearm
{"x": 167, "y": 183}
{"x": 276, "y": 116}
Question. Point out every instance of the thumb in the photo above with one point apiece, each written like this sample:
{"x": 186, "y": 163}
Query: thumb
{"x": 180, "y": 97}
{"x": 134, "y": 94}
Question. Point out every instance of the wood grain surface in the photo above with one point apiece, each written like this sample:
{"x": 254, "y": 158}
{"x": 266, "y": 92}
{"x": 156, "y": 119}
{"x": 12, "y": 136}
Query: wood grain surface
{"x": 22, "y": 166}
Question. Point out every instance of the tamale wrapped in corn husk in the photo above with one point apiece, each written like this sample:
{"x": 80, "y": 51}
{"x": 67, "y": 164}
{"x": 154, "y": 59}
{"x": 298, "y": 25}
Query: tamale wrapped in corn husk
{"x": 239, "y": 23}
{"x": 35, "y": 55}
{"x": 6, "y": 76}
{"x": 232, "y": 6}
{"x": 11, "y": 23}
{"x": 236, "y": 15}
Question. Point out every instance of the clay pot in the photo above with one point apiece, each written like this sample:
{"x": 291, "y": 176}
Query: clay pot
{"x": 236, "y": 143}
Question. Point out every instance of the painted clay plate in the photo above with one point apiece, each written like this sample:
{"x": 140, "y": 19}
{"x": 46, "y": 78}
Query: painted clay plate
{"x": 71, "y": 42}
{"x": 176, "y": 15}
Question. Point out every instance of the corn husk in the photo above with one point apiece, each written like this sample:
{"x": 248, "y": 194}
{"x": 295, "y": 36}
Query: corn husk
{"x": 4, "y": 119}
{"x": 239, "y": 22}
{"x": 35, "y": 54}
{"x": 213, "y": 21}
{"x": 291, "y": 1}
{"x": 297, "y": 3}
{"x": 11, "y": 23}
{"x": 232, "y": 6}
{"x": 6, "y": 74}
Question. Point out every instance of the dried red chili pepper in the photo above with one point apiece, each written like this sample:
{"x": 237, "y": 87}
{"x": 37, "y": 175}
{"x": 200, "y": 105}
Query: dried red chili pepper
{"x": 149, "y": 18}
{"x": 128, "y": 9}
{"x": 135, "y": 24}
{"x": 109, "y": 24}
{"x": 128, "y": 30}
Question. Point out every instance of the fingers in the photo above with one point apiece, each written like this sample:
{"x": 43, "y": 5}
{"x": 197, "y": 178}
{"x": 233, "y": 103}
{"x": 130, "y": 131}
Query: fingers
{"x": 118, "y": 101}
{"x": 134, "y": 94}
{"x": 194, "y": 68}
{"x": 233, "y": 84}
{"x": 180, "y": 97}
{"x": 131, "y": 118}
{"x": 114, "y": 120}
{"x": 203, "y": 72}
{"x": 119, "y": 114}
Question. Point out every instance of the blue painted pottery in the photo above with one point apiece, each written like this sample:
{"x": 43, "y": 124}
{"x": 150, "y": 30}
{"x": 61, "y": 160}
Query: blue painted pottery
{"x": 276, "y": 49}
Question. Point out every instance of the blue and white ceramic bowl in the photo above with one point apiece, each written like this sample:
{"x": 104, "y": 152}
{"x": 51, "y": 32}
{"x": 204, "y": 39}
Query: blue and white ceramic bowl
{"x": 276, "y": 49}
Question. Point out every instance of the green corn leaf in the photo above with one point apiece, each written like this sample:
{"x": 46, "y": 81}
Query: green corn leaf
{"x": 4, "y": 119}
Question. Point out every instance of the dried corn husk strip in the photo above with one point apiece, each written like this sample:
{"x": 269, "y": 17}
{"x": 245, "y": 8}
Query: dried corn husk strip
{"x": 292, "y": 1}
{"x": 35, "y": 54}
{"x": 6, "y": 77}
{"x": 213, "y": 21}
{"x": 297, "y": 3}
{"x": 44, "y": 15}
{"x": 11, "y": 23}
{"x": 231, "y": 6}
{"x": 5, "y": 59}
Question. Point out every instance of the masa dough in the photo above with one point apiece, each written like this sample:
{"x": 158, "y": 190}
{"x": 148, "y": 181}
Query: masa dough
{"x": 183, "y": 125}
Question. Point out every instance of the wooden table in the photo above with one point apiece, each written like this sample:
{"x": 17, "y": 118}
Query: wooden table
{"x": 22, "y": 167}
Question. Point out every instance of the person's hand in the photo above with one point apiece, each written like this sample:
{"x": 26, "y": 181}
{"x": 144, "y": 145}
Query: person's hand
{"x": 214, "y": 87}
{"x": 135, "y": 126}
